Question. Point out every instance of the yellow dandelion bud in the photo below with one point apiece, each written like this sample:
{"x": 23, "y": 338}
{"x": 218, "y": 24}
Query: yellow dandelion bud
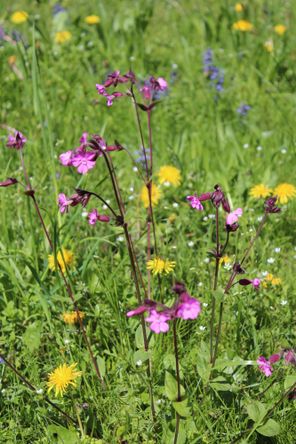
{"x": 65, "y": 258}
{"x": 155, "y": 195}
{"x": 239, "y": 7}
{"x": 159, "y": 266}
{"x": 285, "y": 192}
{"x": 280, "y": 29}
{"x": 92, "y": 19}
{"x": 169, "y": 175}
{"x": 19, "y": 17}
{"x": 243, "y": 26}
{"x": 62, "y": 36}
{"x": 260, "y": 191}
{"x": 62, "y": 377}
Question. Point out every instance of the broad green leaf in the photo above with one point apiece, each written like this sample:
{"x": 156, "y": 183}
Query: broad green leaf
{"x": 32, "y": 336}
{"x": 139, "y": 337}
{"x": 182, "y": 408}
{"x": 256, "y": 411}
{"x": 220, "y": 384}
{"x": 140, "y": 356}
{"x": 101, "y": 365}
{"x": 65, "y": 436}
{"x": 171, "y": 387}
{"x": 270, "y": 428}
{"x": 290, "y": 380}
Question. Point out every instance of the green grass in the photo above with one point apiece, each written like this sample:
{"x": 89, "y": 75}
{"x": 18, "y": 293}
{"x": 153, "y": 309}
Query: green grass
{"x": 49, "y": 95}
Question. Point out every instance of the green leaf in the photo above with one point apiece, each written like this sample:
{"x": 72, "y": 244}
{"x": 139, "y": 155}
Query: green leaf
{"x": 219, "y": 295}
{"x": 65, "y": 436}
{"x": 32, "y": 336}
{"x": 256, "y": 411}
{"x": 171, "y": 387}
{"x": 139, "y": 337}
{"x": 140, "y": 355}
{"x": 203, "y": 362}
{"x": 270, "y": 428}
{"x": 182, "y": 408}
{"x": 290, "y": 380}
{"x": 220, "y": 384}
{"x": 101, "y": 365}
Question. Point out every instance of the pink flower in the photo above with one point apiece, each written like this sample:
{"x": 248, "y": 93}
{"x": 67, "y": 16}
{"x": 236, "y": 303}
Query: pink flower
{"x": 17, "y": 141}
{"x": 101, "y": 89}
{"x": 84, "y": 161}
{"x": 290, "y": 357}
{"x": 63, "y": 202}
{"x": 256, "y": 283}
{"x": 146, "y": 92}
{"x": 8, "y": 182}
{"x": 274, "y": 358}
{"x": 188, "y": 307}
{"x": 264, "y": 366}
{"x": 83, "y": 139}
{"x": 94, "y": 216}
{"x": 195, "y": 202}
{"x": 162, "y": 83}
{"x": 233, "y": 216}
{"x": 158, "y": 321}
{"x": 66, "y": 158}
{"x": 137, "y": 311}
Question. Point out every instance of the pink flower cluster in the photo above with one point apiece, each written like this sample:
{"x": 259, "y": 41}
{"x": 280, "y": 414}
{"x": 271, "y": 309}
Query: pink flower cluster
{"x": 265, "y": 365}
{"x": 82, "y": 198}
{"x": 217, "y": 197}
{"x": 186, "y": 307}
{"x": 153, "y": 88}
{"x": 16, "y": 141}
{"x": 114, "y": 79}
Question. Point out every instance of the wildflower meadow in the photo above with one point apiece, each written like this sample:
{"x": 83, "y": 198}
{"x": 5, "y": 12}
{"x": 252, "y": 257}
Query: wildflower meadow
{"x": 148, "y": 196}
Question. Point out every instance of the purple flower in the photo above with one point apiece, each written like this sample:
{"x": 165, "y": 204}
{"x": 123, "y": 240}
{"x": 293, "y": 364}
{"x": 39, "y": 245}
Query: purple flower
{"x": 9, "y": 181}
{"x": 195, "y": 202}
{"x": 16, "y": 141}
{"x": 270, "y": 205}
{"x": 256, "y": 283}
{"x": 243, "y": 109}
{"x": 154, "y": 88}
{"x": 158, "y": 321}
{"x": 274, "y": 358}
{"x": 84, "y": 161}
{"x": 233, "y": 216}
{"x": 94, "y": 217}
{"x": 290, "y": 357}
{"x": 66, "y": 158}
{"x": 63, "y": 203}
{"x": 188, "y": 307}
{"x": 264, "y": 366}
{"x": 218, "y": 198}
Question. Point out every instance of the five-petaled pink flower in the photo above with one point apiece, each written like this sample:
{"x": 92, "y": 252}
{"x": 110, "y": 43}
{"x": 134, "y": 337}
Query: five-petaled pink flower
{"x": 84, "y": 161}
{"x": 256, "y": 282}
{"x": 195, "y": 202}
{"x": 188, "y": 307}
{"x": 232, "y": 217}
{"x": 16, "y": 141}
{"x": 264, "y": 366}
{"x": 94, "y": 217}
{"x": 158, "y": 321}
{"x": 63, "y": 202}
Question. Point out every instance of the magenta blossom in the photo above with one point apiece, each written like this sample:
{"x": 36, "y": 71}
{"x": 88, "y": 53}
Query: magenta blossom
{"x": 233, "y": 216}
{"x": 66, "y": 158}
{"x": 188, "y": 307}
{"x": 9, "y": 181}
{"x": 84, "y": 161}
{"x": 290, "y": 357}
{"x": 274, "y": 358}
{"x": 264, "y": 366}
{"x": 64, "y": 203}
{"x": 94, "y": 217}
{"x": 16, "y": 141}
{"x": 158, "y": 321}
{"x": 195, "y": 202}
{"x": 256, "y": 283}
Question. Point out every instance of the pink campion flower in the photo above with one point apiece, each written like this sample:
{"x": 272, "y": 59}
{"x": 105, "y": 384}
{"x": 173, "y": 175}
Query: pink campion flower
{"x": 188, "y": 307}
{"x": 9, "y": 181}
{"x": 137, "y": 311}
{"x": 158, "y": 321}
{"x": 162, "y": 83}
{"x": 101, "y": 89}
{"x": 146, "y": 92}
{"x": 84, "y": 161}
{"x": 264, "y": 366}
{"x": 94, "y": 217}
{"x": 16, "y": 141}
{"x": 114, "y": 78}
{"x": 233, "y": 216}
{"x": 256, "y": 283}
{"x": 290, "y": 357}
{"x": 66, "y": 158}
{"x": 274, "y": 358}
{"x": 63, "y": 203}
{"x": 112, "y": 97}
{"x": 195, "y": 202}
{"x": 83, "y": 139}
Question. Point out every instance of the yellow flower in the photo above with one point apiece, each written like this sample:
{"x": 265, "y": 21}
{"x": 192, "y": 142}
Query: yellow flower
{"x": 242, "y": 25}
{"x": 71, "y": 318}
{"x": 19, "y": 17}
{"x": 155, "y": 195}
{"x": 64, "y": 258}
{"x": 169, "y": 175}
{"x": 260, "y": 191}
{"x": 269, "y": 277}
{"x": 280, "y": 29}
{"x": 11, "y": 60}
{"x": 238, "y": 7}
{"x": 159, "y": 265}
{"x": 284, "y": 192}
{"x": 276, "y": 281}
{"x": 268, "y": 45}
{"x": 62, "y": 36}
{"x": 61, "y": 377}
{"x": 92, "y": 19}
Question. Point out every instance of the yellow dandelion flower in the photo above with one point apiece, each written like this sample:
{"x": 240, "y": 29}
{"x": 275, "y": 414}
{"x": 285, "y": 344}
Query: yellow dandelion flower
{"x": 159, "y": 266}
{"x": 64, "y": 258}
{"x": 19, "y": 17}
{"x": 92, "y": 19}
{"x": 239, "y": 7}
{"x": 269, "y": 277}
{"x": 276, "y": 281}
{"x": 280, "y": 29}
{"x": 260, "y": 191}
{"x": 268, "y": 45}
{"x": 225, "y": 260}
{"x": 71, "y": 318}
{"x": 284, "y": 192}
{"x": 155, "y": 195}
{"x": 61, "y": 377}
{"x": 62, "y": 36}
{"x": 242, "y": 25}
{"x": 169, "y": 175}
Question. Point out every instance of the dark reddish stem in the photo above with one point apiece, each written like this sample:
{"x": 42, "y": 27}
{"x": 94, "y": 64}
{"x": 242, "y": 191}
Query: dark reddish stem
{"x": 217, "y": 259}
{"x": 177, "y": 378}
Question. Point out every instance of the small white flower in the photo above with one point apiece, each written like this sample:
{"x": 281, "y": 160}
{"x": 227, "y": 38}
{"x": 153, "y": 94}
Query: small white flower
{"x": 139, "y": 363}
{"x": 167, "y": 184}
{"x": 84, "y": 213}
{"x": 120, "y": 238}
{"x": 160, "y": 401}
{"x": 246, "y": 146}
{"x": 205, "y": 218}
{"x": 200, "y": 284}
{"x": 174, "y": 247}
{"x": 175, "y": 205}
{"x": 284, "y": 302}
{"x": 3, "y": 391}
{"x": 131, "y": 189}
{"x": 104, "y": 207}
{"x": 174, "y": 65}
{"x": 277, "y": 249}
{"x": 211, "y": 216}
{"x": 205, "y": 304}
{"x": 206, "y": 260}
{"x": 271, "y": 307}
{"x": 135, "y": 169}
{"x": 251, "y": 230}
{"x": 190, "y": 244}
{"x": 284, "y": 150}
{"x": 264, "y": 273}
{"x": 67, "y": 341}
{"x": 270, "y": 260}
{"x": 202, "y": 328}
{"x": 39, "y": 391}
{"x": 259, "y": 148}
{"x": 259, "y": 218}
{"x": 131, "y": 197}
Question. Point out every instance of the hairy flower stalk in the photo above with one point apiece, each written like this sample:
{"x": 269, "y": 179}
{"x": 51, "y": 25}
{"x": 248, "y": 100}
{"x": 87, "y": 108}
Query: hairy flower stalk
{"x": 33, "y": 389}
{"x": 177, "y": 378}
